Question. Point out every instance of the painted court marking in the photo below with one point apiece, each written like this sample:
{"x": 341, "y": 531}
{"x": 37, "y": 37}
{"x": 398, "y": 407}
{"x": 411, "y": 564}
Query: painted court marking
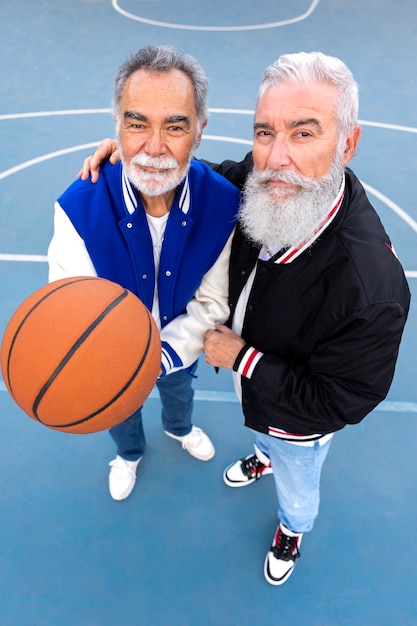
{"x": 205, "y": 395}
{"x": 144, "y": 20}
{"x": 40, "y": 258}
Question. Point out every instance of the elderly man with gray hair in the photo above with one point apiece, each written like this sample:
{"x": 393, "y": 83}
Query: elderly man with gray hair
{"x": 318, "y": 298}
{"x": 158, "y": 223}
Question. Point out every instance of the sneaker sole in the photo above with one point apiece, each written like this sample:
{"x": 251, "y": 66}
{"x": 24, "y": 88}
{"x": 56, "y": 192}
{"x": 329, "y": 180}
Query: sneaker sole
{"x": 119, "y": 497}
{"x": 249, "y": 481}
{"x": 200, "y": 457}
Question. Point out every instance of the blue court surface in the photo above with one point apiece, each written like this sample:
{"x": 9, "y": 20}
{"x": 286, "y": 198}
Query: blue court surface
{"x": 184, "y": 549}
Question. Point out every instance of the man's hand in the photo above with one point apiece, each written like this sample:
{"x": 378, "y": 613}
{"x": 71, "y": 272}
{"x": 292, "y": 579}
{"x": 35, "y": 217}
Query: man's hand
{"x": 107, "y": 149}
{"x": 221, "y": 346}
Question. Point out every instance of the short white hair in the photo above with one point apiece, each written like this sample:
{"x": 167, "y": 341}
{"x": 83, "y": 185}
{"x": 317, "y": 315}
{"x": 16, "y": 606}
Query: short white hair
{"x": 308, "y": 67}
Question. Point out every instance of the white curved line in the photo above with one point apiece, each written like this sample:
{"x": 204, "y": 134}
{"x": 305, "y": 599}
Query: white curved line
{"x": 391, "y": 205}
{"x": 45, "y": 157}
{"x": 233, "y": 111}
{"x": 407, "y": 129}
{"x": 51, "y": 155}
{"x": 16, "y": 116}
{"x": 247, "y": 142}
{"x": 27, "y": 258}
{"x": 93, "y": 144}
{"x": 208, "y": 395}
{"x": 40, "y": 258}
{"x": 215, "y": 28}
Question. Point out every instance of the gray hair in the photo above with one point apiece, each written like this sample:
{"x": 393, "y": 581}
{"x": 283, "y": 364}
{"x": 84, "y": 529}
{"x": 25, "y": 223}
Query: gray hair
{"x": 307, "y": 67}
{"x": 163, "y": 59}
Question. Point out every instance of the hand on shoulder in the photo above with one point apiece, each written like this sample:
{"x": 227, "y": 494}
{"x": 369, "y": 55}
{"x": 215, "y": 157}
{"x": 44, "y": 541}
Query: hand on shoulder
{"x": 106, "y": 149}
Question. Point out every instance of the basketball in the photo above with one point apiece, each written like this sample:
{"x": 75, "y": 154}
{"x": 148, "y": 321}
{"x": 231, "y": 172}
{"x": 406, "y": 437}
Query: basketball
{"x": 80, "y": 354}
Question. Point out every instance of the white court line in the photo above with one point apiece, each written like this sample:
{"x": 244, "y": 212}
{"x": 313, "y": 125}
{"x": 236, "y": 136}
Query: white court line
{"x": 205, "y": 395}
{"x": 16, "y": 116}
{"x": 406, "y": 129}
{"x": 93, "y": 144}
{"x": 398, "y": 127}
{"x": 51, "y": 155}
{"x": 25, "y": 258}
{"x": 230, "y": 396}
{"x": 46, "y": 157}
{"x": 41, "y": 258}
{"x": 9, "y": 257}
{"x": 144, "y": 20}
{"x": 391, "y": 205}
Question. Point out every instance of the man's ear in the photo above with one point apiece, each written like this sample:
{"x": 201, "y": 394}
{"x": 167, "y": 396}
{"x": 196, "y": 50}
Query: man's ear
{"x": 199, "y": 134}
{"x": 351, "y": 144}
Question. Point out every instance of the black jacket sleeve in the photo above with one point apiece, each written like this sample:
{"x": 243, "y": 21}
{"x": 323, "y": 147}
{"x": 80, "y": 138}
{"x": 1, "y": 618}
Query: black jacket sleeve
{"x": 346, "y": 377}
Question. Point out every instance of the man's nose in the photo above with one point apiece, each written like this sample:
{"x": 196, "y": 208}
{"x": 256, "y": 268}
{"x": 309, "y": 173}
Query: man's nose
{"x": 155, "y": 145}
{"x": 279, "y": 154}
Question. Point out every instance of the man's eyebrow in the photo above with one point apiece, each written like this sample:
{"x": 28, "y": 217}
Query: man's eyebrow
{"x": 133, "y": 115}
{"x": 178, "y": 119}
{"x": 265, "y": 125}
{"x": 310, "y": 121}
{"x": 171, "y": 119}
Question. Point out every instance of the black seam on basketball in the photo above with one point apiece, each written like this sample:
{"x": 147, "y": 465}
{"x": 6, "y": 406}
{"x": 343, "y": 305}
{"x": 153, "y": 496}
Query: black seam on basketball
{"x": 119, "y": 393}
{"x": 35, "y": 306}
{"x": 72, "y": 350}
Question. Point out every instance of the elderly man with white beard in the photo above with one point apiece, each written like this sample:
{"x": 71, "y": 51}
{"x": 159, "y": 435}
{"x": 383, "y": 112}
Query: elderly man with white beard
{"x": 318, "y": 298}
{"x": 159, "y": 224}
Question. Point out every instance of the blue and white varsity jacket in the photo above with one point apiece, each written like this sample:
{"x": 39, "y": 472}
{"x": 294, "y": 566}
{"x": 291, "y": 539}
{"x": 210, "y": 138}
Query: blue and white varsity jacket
{"x": 101, "y": 229}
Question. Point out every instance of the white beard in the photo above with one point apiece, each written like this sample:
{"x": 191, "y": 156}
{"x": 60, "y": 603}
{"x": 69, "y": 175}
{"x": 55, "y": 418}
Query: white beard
{"x": 155, "y": 183}
{"x": 271, "y": 220}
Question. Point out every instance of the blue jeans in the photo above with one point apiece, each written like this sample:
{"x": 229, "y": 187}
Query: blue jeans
{"x": 297, "y": 471}
{"x": 177, "y": 395}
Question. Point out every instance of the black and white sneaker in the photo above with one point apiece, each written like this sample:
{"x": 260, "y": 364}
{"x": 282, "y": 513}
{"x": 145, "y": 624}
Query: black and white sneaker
{"x": 281, "y": 558}
{"x": 247, "y": 470}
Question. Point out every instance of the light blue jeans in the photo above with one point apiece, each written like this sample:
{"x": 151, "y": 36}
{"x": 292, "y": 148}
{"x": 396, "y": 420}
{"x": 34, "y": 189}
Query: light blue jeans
{"x": 297, "y": 471}
{"x": 177, "y": 395}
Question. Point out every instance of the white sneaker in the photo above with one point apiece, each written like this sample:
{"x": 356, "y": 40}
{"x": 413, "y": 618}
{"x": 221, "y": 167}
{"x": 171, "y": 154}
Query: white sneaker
{"x": 247, "y": 470}
{"x": 282, "y": 556}
{"x": 122, "y": 477}
{"x": 197, "y": 443}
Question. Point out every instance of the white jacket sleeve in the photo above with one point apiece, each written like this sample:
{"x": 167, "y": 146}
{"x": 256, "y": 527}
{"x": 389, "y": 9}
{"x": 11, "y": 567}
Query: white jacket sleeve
{"x": 183, "y": 338}
{"x": 67, "y": 254}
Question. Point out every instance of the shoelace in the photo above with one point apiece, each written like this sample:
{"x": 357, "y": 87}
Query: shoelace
{"x": 252, "y": 466}
{"x": 286, "y": 547}
{"x": 192, "y": 439}
{"x": 121, "y": 467}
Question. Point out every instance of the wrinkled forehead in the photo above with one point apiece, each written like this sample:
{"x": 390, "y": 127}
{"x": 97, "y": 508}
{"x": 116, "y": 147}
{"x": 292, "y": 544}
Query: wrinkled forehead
{"x": 168, "y": 89}
{"x": 289, "y": 102}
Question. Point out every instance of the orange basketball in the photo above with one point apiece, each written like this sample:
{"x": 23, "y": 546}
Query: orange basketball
{"x": 80, "y": 354}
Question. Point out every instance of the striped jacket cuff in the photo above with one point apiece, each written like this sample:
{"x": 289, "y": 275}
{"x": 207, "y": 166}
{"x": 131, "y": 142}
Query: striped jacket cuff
{"x": 169, "y": 359}
{"x": 247, "y": 360}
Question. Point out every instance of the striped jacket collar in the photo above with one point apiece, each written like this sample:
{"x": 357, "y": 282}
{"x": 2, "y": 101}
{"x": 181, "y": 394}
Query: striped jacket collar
{"x": 131, "y": 200}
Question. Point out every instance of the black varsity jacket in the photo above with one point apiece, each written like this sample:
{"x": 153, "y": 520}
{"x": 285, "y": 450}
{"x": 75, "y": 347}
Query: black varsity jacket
{"x": 327, "y": 326}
